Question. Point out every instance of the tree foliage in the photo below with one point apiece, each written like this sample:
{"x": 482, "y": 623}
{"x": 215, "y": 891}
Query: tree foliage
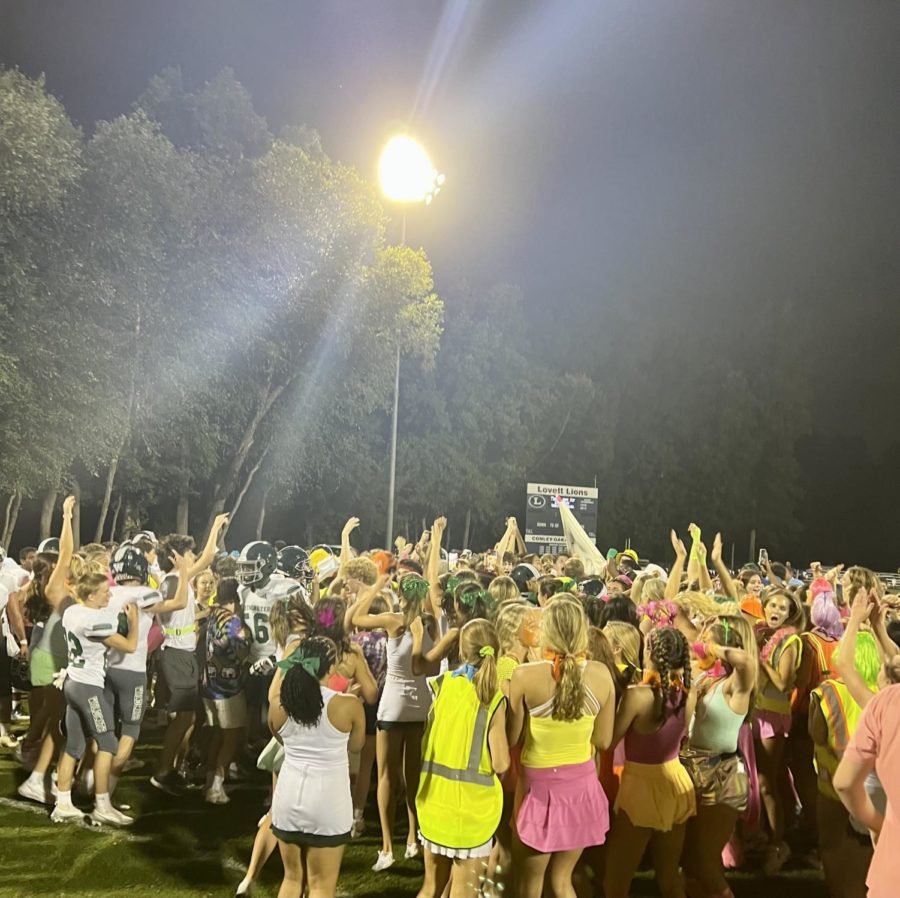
{"x": 197, "y": 314}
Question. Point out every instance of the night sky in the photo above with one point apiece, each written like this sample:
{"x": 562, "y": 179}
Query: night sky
{"x": 594, "y": 151}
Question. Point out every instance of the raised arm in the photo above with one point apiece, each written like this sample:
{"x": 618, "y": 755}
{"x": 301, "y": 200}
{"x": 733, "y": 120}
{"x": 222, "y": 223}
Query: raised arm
{"x": 673, "y": 584}
{"x": 694, "y": 556}
{"x": 365, "y": 621}
{"x": 705, "y": 580}
{"x": 517, "y": 539}
{"x": 432, "y": 570}
{"x": 56, "y": 586}
{"x": 211, "y": 547}
{"x": 723, "y": 572}
{"x": 346, "y": 554}
{"x": 846, "y": 657}
{"x": 179, "y": 599}
{"x": 886, "y": 645}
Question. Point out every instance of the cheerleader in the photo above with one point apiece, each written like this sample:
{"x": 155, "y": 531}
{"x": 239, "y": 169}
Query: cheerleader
{"x": 780, "y": 659}
{"x": 312, "y": 809}
{"x": 564, "y": 706}
{"x": 717, "y": 708}
{"x": 656, "y": 795}
{"x": 460, "y": 800}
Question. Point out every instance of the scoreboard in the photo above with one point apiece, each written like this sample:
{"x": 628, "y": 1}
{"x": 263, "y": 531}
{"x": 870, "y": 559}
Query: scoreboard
{"x": 543, "y": 527}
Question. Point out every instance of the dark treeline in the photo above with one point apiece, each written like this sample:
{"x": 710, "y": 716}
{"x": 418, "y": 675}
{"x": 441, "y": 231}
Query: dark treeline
{"x": 198, "y": 314}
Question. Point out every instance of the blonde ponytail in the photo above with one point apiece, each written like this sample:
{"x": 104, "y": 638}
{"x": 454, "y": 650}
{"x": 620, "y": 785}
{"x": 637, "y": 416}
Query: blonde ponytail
{"x": 479, "y": 646}
{"x": 564, "y": 640}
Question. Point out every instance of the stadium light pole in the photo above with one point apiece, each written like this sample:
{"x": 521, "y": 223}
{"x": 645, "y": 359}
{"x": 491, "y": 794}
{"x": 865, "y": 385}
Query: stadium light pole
{"x": 406, "y": 176}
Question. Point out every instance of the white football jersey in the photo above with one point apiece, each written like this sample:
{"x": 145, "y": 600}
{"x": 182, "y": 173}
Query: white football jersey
{"x": 257, "y": 604}
{"x": 143, "y": 597}
{"x": 85, "y": 628}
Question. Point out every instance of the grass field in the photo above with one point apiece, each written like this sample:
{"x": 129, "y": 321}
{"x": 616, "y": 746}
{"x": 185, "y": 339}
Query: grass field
{"x": 185, "y": 848}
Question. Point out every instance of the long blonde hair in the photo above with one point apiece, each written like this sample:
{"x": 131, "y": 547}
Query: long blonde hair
{"x": 564, "y": 635}
{"x": 479, "y": 646}
{"x": 627, "y": 639}
{"x": 510, "y": 619}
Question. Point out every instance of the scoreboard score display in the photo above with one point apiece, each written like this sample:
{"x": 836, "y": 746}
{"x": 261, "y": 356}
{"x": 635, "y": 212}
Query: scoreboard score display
{"x": 543, "y": 528}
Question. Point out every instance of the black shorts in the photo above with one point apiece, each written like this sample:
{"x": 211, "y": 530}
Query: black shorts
{"x": 257, "y": 690}
{"x": 5, "y": 681}
{"x": 182, "y": 673}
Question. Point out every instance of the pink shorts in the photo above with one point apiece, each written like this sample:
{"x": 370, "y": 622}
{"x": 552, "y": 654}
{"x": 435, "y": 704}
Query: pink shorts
{"x": 562, "y": 809}
{"x": 769, "y": 724}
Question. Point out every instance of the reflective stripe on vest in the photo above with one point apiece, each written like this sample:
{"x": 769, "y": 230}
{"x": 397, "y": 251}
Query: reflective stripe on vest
{"x": 471, "y": 773}
{"x": 180, "y": 631}
{"x": 841, "y": 714}
{"x": 457, "y": 774}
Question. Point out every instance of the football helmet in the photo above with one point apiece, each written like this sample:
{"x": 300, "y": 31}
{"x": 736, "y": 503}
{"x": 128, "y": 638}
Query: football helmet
{"x": 128, "y": 563}
{"x": 294, "y": 562}
{"x": 256, "y": 564}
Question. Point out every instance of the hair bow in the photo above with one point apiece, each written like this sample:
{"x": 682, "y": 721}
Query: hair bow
{"x": 414, "y": 588}
{"x": 326, "y": 617}
{"x": 308, "y": 662}
{"x": 557, "y": 658}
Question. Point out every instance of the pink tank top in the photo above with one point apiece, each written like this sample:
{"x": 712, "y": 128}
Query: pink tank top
{"x": 661, "y": 746}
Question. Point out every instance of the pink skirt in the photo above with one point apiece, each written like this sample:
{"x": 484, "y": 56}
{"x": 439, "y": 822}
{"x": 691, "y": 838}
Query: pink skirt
{"x": 562, "y": 808}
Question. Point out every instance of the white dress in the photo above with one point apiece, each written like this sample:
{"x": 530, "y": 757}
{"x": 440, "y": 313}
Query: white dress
{"x": 312, "y": 804}
{"x": 406, "y": 698}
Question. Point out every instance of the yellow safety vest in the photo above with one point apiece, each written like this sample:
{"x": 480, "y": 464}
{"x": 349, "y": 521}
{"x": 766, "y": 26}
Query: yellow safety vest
{"x": 769, "y": 698}
{"x": 841, "y": 715}
{"x": 460, "y": 799}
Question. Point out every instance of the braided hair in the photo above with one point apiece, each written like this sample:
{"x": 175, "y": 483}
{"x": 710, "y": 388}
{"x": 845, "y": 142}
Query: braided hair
{"x": 301, "y": 694}
{"x": 670, "y": 653}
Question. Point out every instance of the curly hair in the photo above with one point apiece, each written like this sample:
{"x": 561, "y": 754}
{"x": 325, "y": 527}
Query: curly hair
{"x": 363, "y": 569}
{"x": 670, "y": 654}
{"x": 301, "y": 694}
{"x": 173, "y": 542}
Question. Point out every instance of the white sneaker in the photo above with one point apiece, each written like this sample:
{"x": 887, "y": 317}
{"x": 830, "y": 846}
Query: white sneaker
{"x": 412, "y": 850}
{"x": 112, "y": 816}
{"x": 359, "y": 825}
{"x": 385, "y": 860}
{"x": 216, "y": 795}
{"x": 39, "y": 793}
{"x": 66, "y": 814}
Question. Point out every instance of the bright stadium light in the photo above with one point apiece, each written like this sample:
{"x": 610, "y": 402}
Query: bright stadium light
{"x": 406, "y": 173}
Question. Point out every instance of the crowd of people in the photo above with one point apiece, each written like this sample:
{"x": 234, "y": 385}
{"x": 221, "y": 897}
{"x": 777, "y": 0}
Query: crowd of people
{"x": 546, "y": 724}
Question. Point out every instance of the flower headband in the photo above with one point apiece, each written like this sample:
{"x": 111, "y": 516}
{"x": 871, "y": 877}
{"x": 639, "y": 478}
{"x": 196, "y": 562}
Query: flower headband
{"x": 661, "y": 614}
